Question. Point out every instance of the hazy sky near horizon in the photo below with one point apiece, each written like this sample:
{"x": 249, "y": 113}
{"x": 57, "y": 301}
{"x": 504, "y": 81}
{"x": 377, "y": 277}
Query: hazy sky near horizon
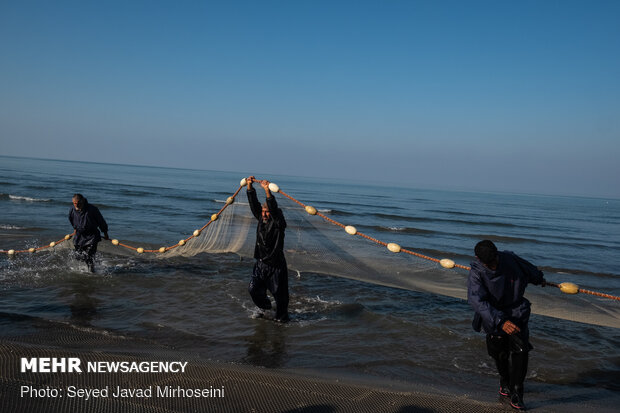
{"x": 473, "y": 95}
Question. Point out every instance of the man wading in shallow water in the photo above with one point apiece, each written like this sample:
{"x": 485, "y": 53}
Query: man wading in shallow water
{"x": 86, "y": 220}
{"x": 495, "y": 289}
{"x": 270, "y": 271}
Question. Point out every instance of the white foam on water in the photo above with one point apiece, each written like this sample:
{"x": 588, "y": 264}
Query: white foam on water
{"x": 10, "y": 227}
{"x": 27, "y": 198}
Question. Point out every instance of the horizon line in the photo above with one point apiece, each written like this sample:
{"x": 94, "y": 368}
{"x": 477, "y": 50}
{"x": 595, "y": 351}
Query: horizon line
{"x": 361, "y": 183}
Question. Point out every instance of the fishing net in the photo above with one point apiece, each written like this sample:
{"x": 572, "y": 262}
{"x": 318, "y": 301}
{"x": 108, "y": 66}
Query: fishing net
{"x": 315, "y": 245}
{"x": 319, "y": 244}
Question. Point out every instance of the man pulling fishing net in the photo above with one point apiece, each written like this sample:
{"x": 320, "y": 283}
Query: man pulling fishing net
{"x": 495, "y": 289}
{"x": 86, "y": 220}
{"x": 270, "y": 270}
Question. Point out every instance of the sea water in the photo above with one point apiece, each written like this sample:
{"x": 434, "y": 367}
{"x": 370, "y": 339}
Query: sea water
{"x": 201, "y": 305}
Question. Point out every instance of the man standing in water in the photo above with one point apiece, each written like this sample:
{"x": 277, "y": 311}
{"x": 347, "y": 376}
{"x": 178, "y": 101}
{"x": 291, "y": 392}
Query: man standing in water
{"x": 270, "y": 271}
{"x": 495, "y": 289}
{"x": 86, "y": 220}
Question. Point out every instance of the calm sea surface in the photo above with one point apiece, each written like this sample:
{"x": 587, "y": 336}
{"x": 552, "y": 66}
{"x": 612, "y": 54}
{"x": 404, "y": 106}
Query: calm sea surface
{"x": 200, "y": 304}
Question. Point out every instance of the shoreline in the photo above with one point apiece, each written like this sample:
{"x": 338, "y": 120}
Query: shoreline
{"x": 243, "y": 387}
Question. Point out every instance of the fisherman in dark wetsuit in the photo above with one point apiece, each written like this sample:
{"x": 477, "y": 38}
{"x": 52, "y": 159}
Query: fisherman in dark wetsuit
{"x": 495, "y": 289}
{"x": 270, "y": 271}
{"x": 87, "y": 221}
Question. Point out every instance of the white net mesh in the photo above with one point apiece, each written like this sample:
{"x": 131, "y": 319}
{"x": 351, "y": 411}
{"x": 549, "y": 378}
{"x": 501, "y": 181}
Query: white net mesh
{"x": 315, "y": 245}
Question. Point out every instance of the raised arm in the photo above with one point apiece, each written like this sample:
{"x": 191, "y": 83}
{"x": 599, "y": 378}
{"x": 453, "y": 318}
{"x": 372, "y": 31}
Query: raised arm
{"x": 255, "y": 206}
{"x": 272, "y": 205}
{"x": 265, "y": 184}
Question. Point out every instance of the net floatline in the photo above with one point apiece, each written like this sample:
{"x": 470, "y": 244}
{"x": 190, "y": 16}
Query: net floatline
{"x": 565, "y": 287}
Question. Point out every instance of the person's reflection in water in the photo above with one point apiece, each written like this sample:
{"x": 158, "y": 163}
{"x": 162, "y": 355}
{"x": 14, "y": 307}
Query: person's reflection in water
{"x": 83, "y": 305}
{"x": 267, "y": 347}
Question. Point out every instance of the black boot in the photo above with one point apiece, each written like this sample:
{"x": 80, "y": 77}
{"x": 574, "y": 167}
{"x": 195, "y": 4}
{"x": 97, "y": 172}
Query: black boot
{"x": 519, "y": 356}
{"x": 516, "y": 398}
{"x": 497, "y": 347}
{"x": 504, "y": 374}
{"x": 504, "y": 389}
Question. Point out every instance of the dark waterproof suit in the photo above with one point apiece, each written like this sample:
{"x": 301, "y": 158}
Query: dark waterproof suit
{"x": 497, "y": 296}
{"x": 87, "y": 222}
{"x": 270, "y": 271}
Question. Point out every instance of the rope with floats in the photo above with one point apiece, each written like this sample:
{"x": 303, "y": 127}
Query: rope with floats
{"x": 33, "y": 250}
{"x": 565, "y": 287}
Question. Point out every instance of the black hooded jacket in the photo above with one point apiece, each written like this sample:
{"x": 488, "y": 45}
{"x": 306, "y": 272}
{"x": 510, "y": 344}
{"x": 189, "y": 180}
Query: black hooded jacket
{"x": 87, "y": 223}
{"x": 269, "y": 246}
{"x": 497, "y": 296}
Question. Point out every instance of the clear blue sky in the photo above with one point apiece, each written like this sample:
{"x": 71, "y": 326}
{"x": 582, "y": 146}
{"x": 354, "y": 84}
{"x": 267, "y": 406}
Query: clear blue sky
{"x": 517, "y": 96}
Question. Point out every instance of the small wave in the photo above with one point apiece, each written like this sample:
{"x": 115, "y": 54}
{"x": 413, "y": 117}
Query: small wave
{"x": 573, "y": 271}
{"x": 404, "y": 218}
{"x": 311, "y": 308}
{"x": 8, "y": 226}
{"x": 548, "y": 241}
{"x": 27, "y": 198}
{"x": 320, "y": 300}
{"x": 407, "y": 230}
{"x": 37, "y": 187}
{"x": 185, "y": 198}
{"x": 134, "y": 192}
{"x": 402, "y": 230}
{"x": 336, "y": 212}
{"x": 105, "y": 207}
{"x": 471, "y": 214}
{"x": 502, "y": 238}
{"x": 219, "y": 201}
{"x": 331, "y": 202}
{"x": 452, "y": 220}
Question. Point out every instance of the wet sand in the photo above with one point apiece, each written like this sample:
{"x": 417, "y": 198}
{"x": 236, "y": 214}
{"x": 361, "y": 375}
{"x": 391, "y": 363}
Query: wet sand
{"x": 243, "y": 388}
